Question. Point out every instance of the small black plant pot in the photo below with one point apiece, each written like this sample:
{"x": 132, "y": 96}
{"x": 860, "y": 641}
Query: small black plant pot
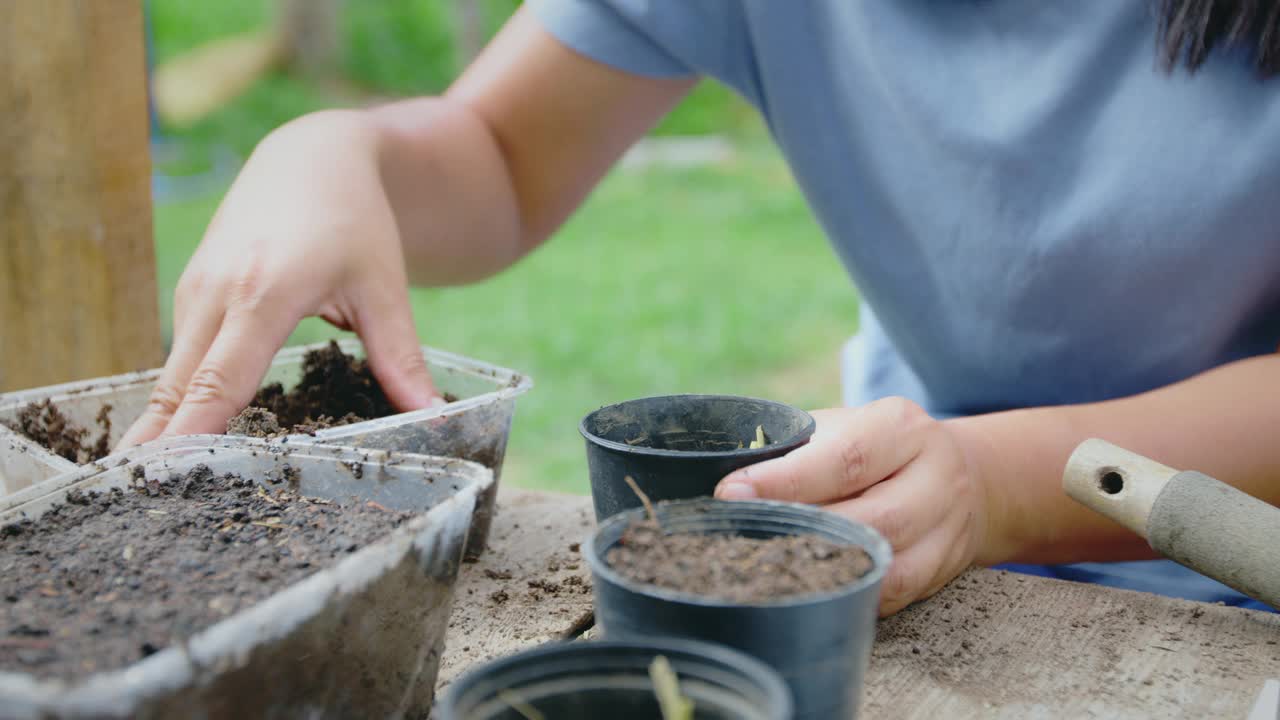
{"x": 589, "y": 680}
{"x": 679, "y": 446}
{"x": 820, "y": 644}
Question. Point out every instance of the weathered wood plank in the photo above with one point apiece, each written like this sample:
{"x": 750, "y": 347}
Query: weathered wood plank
{"x": 996, "y": 644}
{"x": 77, "y": 264}
{"x": 991, "y": 644}
{"x": 496, "y": 611}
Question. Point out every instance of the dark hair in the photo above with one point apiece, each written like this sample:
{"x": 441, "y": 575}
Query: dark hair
{"x": 1191, "y": 29}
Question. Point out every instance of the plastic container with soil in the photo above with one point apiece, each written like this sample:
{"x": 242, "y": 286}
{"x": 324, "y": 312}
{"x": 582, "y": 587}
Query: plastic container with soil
{"x": 359, "y": 634}
{"x": 611, "y": 679}
{"x": 820, "y": 643}
{"x": 678, "y": 447}
{"x": 475, "y": 427}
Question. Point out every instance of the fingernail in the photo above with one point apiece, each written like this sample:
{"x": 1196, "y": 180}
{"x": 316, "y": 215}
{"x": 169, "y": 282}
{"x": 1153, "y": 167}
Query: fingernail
{"x": 437, "y": 401}
{"x": 736, "y": 491}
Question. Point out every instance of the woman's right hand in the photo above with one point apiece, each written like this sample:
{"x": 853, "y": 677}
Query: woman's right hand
{"x": 305, "y": 230}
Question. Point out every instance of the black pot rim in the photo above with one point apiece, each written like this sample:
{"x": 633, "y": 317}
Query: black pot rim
{"x": 756, "y": 670}
{"x": 790, "y": 443}
{"x": 879, "y": 549}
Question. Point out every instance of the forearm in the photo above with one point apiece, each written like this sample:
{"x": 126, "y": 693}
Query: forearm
{"x": 1222, "y": 423}
{"x": 448, "y": 186}
{"x": 482, "y": 175}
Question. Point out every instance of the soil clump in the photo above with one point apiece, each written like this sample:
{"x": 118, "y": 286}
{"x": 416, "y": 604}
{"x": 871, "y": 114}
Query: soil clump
{"x": 43, "y": 423}
{"x": 336, "y": 389}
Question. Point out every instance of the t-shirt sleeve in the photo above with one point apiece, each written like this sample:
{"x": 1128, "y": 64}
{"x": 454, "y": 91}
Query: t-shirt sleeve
{"x": 650, "y": 37}
{"x": 621, "y": 33}
{"x": 659, "y": 38}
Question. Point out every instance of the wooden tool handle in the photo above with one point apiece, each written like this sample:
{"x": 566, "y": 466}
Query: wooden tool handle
{"x": 1115, "y": 482}
{"x": 1188, "y": 517}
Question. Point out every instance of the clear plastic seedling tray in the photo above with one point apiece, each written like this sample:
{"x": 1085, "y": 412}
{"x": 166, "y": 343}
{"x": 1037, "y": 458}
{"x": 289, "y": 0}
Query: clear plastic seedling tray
{"x": 360, "y": 638}
{"x": 474, "y": 428}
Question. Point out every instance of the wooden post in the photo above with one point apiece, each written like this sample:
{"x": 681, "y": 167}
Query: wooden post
{"x": 77, "y": 264}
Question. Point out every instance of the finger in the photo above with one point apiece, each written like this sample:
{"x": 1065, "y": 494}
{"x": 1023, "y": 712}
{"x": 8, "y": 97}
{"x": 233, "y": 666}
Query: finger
{"x": 192, "y": 337}
{"x": 921, "y": 570}
{"x": 386, "y": 327}
{"x": 854, "y": 449}
{"x": 903, "y": 508}
{"x": 228, "y": 376}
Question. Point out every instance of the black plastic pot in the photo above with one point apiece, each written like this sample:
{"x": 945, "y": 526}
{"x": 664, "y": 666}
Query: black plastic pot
{"x": 819, "y": 644}
{"x": 590, "y": 680}
{"x": 679, "y": 446}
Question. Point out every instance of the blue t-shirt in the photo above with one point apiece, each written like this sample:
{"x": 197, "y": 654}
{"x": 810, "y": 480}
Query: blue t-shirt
{"x": 1034, "y": 213}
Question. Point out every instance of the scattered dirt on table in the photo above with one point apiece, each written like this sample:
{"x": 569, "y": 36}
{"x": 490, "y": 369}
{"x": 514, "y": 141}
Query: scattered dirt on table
{"x": 550, "y": 587}
{"x": 336, "y": 389}
{"x": 107, "y": 579}
{"x": 735, "y": 568}
{"x": 43, "y": 423}
{"x": 1001, "y": 639}
{"x": 574, "y": 581}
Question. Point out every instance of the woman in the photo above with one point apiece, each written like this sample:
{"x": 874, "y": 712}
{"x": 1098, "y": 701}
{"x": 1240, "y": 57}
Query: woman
{"x": 1057, "y": 234}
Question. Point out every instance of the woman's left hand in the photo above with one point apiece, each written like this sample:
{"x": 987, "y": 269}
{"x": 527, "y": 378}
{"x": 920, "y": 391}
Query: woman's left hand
{"x": 893, "y": 467}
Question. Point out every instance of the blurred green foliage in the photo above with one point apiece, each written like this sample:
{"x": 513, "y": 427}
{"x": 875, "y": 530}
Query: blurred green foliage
{"x": 388, "y": 48}
{"x": 407, "y": 47}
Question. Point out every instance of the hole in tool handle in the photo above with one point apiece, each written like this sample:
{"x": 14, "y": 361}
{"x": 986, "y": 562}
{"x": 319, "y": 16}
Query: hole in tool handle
{"x": 1110, "y": 481}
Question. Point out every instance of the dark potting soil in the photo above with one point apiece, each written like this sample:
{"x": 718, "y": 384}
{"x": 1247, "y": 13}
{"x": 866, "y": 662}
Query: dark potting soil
{"x": 254, "y": 422}
{"x": 734, "y": 568}
{"x": 336, "y": 389}
{"x": 43, "y": 423}
{"x": 108, "y": 579}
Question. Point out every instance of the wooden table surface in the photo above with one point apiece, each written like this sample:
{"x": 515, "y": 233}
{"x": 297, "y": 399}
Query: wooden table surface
{"x": 991, "y": 644}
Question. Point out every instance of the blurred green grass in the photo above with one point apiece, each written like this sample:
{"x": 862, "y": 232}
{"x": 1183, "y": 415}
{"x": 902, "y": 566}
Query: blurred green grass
{"x": 713, "y": 279}
{"x": 388, "y": 48}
